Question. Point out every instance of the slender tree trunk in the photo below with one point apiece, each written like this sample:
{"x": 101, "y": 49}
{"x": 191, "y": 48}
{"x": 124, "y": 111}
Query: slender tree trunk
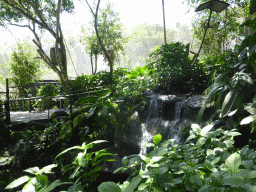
{"x": 99, "y": 39}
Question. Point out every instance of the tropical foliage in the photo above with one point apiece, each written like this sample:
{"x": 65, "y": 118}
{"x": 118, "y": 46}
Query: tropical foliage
{"x": 218, "y": 155}
{"x": 172, "y": 70}
{"x": 24, "y": 68}
{"x": 111, "y": 32}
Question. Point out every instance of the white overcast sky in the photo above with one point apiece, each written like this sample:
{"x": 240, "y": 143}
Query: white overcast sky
{"x": 132, "y": 13}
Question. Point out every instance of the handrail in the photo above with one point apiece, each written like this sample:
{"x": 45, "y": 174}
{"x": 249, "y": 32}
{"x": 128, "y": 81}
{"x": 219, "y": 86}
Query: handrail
{"x": 71, "y": 94}
{"x": 34, "y": 98}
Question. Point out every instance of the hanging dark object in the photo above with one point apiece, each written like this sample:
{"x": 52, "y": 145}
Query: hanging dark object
{"x": 53, "y": 56}
{"x": 218, "y": 6}
{"x": 213, "y": 5}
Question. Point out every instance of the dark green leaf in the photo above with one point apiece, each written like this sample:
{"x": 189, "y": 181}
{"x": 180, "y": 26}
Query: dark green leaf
{"x": 228, "y": 102}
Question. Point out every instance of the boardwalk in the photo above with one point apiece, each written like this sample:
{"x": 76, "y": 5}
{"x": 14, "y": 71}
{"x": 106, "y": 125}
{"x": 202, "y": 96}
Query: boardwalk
{"x": 25, "y": 116}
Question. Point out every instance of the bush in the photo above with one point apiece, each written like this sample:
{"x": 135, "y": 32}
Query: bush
{"x": 220, "y": 64}
{"x": 172, "y": 69}
{"x": 46, "y": 91}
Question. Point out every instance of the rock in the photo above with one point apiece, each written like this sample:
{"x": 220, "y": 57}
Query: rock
{"x": 58, "y": 113}
{"x": 66, "y": 130}
{"x": 80, "y": 110}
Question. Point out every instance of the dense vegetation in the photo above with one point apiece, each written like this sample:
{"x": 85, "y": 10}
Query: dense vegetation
{"x": 217, "y": 155}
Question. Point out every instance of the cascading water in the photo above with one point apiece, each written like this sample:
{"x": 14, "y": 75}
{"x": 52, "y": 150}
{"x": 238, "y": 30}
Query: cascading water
{"x": 155, "y": 124}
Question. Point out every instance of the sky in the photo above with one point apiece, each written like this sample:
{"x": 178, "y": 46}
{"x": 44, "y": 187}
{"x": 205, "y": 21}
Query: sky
{"x": 132, "y": 13}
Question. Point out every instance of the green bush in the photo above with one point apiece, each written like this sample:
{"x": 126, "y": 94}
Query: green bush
{"x": 48, "y": 90}
{"x": 172, "y": 70}
{"x": 215, "y": 65}
{"x": 85, "y": 170}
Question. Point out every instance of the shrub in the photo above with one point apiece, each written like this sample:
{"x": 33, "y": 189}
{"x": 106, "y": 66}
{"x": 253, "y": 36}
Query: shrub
{"x": 46, "y": 91}
{"x": 218, "y": 64}
{"x": 172, "y": 69}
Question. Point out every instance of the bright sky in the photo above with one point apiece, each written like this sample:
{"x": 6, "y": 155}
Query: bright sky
{"x": 132, "y": 13}
{"x": 135, "y": 12}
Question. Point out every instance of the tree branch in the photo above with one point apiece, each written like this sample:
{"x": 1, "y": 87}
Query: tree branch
{"x": 90, "y": 7}
{"x": 18, "y": 25}
{"x": 27, "y": 15}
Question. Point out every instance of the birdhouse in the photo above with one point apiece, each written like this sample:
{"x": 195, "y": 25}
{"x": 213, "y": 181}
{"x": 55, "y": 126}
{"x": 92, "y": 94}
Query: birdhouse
{"x": 53, "y": 56}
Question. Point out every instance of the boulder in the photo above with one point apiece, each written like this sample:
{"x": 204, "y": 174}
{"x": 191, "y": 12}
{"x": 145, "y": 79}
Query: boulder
{"x": 58, "y": 112}
{"x": 66, "y": 130}
{"x": 79, "y": 120}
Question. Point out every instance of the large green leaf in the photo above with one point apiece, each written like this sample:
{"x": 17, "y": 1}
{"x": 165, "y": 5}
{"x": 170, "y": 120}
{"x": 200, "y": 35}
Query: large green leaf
{"x": 206, "y": 129}
{"x": 32, "y": 170}
{"x": 233, "y": 181}
{"x": 249, "y": 174}
{"x": 248, "y": 119}
{"x": 220, "y": 77}
{"x": 134, "y": 183}
{"x": 214, "y": 88}
{"x": 47, "y": 169}
{"x": 210, "y": 188}
{"x": 195, "y": 179}
{"x": 109, "y": 186}
{"x": 250, "y": 108}
{"x": 18, "y": 182}
{"x": 42, "y": 181}
{"x": 228, "y": 102}
{"x": 76, "y": 188}
{"x": 66, "y": 150}
{"x": 56, "y": 183}
{"x": 233, "y": 162}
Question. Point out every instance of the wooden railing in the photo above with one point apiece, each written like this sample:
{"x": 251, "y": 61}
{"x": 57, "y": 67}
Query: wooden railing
{"x": 61, "y": 98}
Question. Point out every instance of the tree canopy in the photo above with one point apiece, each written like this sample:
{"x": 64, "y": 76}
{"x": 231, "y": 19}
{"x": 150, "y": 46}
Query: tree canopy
{"x": 42, "y": 15}
{"x": 111, "y": 33}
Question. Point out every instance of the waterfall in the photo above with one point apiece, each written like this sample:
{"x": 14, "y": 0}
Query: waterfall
{"x": 155, "y": 124}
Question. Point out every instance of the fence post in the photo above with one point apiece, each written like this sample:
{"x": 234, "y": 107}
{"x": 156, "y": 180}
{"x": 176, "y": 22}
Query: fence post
{"x": 29, "y": 106}
{"x": 7, "y": 107}
{"x": 70, "y": 100}
{"x": 43, "y": 104}
{"x": 60, "y": 104}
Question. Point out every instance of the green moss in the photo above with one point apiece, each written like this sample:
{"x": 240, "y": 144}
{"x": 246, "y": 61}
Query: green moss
{"x": 79, "y": 120}
{"x": 66, "y": 130}
{"x": 82, "y": 110}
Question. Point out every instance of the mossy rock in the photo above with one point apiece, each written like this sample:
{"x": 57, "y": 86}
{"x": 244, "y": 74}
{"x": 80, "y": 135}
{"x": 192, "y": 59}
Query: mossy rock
{"x": 79, "y": 120}
{"x": 66, "y": 130}
{"x": 79, "y": 111}
{"x": 57, "y": 113}
{"x": 16, "y": 136}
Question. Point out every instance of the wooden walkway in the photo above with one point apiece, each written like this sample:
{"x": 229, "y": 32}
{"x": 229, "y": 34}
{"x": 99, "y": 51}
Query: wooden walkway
{"x": 25, "y": 116}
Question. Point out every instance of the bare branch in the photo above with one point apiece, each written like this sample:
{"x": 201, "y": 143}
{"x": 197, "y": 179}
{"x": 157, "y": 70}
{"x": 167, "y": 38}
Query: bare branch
{"x": 40, "y": 48}
{"x": 91, "y": 7}
{"x": 18, "y": 25}
{"x": 29, "y": 16}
